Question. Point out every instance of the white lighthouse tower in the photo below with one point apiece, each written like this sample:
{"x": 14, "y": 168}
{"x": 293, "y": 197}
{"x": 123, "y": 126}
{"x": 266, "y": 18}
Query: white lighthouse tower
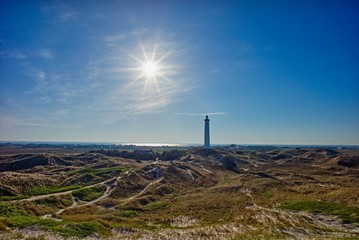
{"x": 206, "y": 133}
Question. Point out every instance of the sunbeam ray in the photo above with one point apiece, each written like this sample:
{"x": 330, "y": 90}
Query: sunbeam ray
{"x": 151, "y": 69}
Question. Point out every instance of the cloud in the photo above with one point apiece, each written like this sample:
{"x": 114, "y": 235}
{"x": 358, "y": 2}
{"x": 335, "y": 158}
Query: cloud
{"x": 12, "y": 54}
{"x": 201, "y": 114}
{"x": 45, "y": 53}
{"x": 138, "y": 33}
{"x": 101, "y": 86}
{"x": 150, "y": 104}
{"x": 67, "y": 15}
{"x": 58, "y": 11}
{"x": 45, "y": 99}
{"x": 36, "y": 74}
{"x": 20, "y": 116}
{"x": 15, "y": 114}
{"x": 135, "y": 94}
{"x": 9, "y": 121}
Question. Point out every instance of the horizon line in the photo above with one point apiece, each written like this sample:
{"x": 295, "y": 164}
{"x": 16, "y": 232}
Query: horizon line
{"x": 166, "y": 144}
{"x": 200, "y": 114}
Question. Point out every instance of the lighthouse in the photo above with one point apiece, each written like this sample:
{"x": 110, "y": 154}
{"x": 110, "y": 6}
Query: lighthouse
{"x": 206, "y": 133}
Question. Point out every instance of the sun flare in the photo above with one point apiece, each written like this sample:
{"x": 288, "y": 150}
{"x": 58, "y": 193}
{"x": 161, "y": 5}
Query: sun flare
{"x": 150, "y": 69}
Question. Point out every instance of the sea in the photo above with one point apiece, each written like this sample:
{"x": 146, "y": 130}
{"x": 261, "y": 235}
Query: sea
{"x": 158, "y": 144}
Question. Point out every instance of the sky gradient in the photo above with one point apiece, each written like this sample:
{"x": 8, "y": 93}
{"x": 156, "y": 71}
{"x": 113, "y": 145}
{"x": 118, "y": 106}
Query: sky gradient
{"x": 269, "y": 72}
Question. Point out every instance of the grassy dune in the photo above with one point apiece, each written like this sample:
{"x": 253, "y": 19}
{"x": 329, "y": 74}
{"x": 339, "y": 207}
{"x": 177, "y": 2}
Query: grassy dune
{"x": 267, "y": 194}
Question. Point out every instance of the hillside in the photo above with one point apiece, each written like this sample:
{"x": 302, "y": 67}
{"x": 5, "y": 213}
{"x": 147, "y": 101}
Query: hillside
{"x": 274, "y": 193}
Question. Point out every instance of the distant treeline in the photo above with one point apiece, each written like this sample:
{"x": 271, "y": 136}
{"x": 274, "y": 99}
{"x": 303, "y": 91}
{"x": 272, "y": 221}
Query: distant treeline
{"x": 144, "y": 154}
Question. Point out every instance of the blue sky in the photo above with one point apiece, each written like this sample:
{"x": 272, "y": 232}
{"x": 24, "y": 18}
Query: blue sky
{"x": 270, "y": 72}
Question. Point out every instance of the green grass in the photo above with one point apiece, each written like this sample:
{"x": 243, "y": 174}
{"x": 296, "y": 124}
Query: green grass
{"x": 128, "y": 213}
{"x": 61, "y": 201}
{"x": 96, "y": 175}
{"x": 100, "y": 171}
{"x": 268, "y": 194}
{"x": 157, "y": 205}
{"x": 7, "y": 210}
{"x": 78, "y": 229}
{"x": 14, "y": 217}
{"x": 11, "y": 216}
{"x": 90, "y": 193}
{"x": 11, "y": 198}
{"x": 39, "y": 191}
{"x": 347, "y": 214}
{"x": 49, "y": 189}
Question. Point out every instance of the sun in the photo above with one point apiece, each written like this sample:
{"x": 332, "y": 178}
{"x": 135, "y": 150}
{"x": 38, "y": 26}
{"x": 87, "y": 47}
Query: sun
{"x": 150, "y": 69}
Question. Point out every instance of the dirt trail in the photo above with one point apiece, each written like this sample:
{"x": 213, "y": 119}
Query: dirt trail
{"x": 105, "y": 182}
{"x": 144, "y": 190}
{"x": 74, "y": 204}
{"x": 108, "y": 191}
{"x": 205, "y": 169}
{"x": 190, "y": 173}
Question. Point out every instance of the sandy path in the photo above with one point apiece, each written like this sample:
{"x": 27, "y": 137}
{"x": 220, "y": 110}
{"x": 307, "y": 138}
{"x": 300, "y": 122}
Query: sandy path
{"x": 109, "y": 188}
{"x": 33, "y": 198}
{"x": 144, "y": 190}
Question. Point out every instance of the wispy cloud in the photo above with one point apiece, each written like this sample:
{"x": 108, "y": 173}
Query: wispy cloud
{"x": 201, "y": 114}
{"x": 59, "y": 11}
{"x": 136, "y": 94}
{"x": 45, "y": 53}
{"x": 69, "y": 14}
{"x": 102, "y": 85}
{"x": 36, "y": 74}
{"x": 12, "y": 54}
{"x": 121, "y": 38}
{"x": 15, "y": 114}
{"x": 9, "y": 121}
{"x": 150, "y": 103}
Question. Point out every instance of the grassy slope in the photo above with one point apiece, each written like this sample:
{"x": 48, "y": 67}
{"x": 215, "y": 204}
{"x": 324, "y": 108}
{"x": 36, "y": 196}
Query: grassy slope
{"x": 348, "y": 214}
{"x": 95, "y": 175}
{"x": 89, "y": 194}
{"x": 14, "y": 217}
